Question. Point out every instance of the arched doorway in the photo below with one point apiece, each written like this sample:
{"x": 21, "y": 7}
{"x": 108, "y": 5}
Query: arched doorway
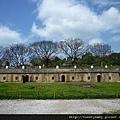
{"x": 31, "y": 78}
{"x": 25, "y": 78}
{"x": 99, "y": 78}
{"x": 63, "y": 78}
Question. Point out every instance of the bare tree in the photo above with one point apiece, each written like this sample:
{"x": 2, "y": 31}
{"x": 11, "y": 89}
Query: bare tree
{"x": 17, "y": 54}
{"x": 73, "y": 48}
{"x": 101, "y": 50}
{"x": 45, "y": 50}
{"x": 1, "y": 51}
{"x": 1, "y": 55}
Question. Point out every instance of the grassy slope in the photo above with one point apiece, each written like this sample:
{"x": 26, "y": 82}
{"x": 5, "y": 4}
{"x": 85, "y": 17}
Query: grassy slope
{"x": 69, "y": 90}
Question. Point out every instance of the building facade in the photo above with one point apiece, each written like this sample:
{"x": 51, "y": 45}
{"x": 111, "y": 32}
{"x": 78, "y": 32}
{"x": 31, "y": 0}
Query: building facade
{"x": 60, "y": 75}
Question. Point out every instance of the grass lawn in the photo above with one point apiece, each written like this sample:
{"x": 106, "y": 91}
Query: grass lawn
{"x": 113, "y": 112}
{"x": 58, "y": 90}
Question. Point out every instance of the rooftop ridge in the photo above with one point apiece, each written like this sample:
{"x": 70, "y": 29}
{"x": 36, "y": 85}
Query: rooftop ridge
{"x": 57, "y": 70}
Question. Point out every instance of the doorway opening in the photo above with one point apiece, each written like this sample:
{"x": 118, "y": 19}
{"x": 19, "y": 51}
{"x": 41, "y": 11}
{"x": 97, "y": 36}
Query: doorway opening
{"x": 63, "y": 78}
{"x": 119, "y": 76}
{"x": 99, "y": 78}
{"x": 25, "y": 78}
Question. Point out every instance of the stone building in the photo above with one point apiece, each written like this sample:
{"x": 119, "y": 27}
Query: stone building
{"x": 60, "y": 75}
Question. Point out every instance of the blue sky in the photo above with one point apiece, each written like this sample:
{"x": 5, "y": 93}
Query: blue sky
{"x": 26, "y": 21}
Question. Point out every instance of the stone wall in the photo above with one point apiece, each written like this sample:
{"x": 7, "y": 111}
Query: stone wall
{"x": 63, "y": 75}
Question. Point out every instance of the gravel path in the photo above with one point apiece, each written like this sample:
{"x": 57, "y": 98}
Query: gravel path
{"x": 84, "y": 106}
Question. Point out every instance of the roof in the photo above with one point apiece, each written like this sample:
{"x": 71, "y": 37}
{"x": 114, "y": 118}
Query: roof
{"x": 53, "y": 71}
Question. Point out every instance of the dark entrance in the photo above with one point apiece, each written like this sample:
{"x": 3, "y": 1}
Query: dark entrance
{"x": 31, "y": 78}
{"x": 25, "y": 78}
{"x": 99, "y": 78}
{"x": 63, "y": 78}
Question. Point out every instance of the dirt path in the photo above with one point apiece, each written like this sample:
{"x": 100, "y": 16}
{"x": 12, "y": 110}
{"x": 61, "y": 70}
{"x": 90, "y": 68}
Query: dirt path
{"x": 84, "y": 106}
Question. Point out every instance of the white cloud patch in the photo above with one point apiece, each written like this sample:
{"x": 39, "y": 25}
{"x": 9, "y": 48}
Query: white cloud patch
{"x": 115, "y": 39}
{"x": 95, "y": 40}
{"x": 111, "y": 19}
{"x": 106, "y": 2}
{"x": 8, "y": 36}
{"x": 68, "y": 19}
{"x": 35, "y": 1}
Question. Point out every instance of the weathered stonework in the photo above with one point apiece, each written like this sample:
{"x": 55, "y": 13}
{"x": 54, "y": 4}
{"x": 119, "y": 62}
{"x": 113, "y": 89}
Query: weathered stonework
{"x": 60, "y": 75}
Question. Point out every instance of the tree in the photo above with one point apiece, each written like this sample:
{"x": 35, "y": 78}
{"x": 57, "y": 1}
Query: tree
{"x": 35, "y": 61}
{"x": 87, "y": 59}
{"x": 58, "y": 61}
{"x": 17, "y": 54}
{"x": 101, "y": 50}
{"x": 45, "y": 51}
{"x": 115, "y": 58}
{"x": 73, "y": 48}
{"x": 1, "y": 51}
{"x": 1, "y": 55}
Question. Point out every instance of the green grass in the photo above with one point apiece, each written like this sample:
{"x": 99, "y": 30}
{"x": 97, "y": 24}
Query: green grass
{"x": 113, "y": 112}
{"x": 58, "y": 90}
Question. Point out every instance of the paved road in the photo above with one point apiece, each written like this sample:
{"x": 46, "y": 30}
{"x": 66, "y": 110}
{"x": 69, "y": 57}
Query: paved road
{"x": 84, "y": 106}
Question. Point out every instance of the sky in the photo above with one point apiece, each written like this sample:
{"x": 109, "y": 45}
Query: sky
{"x": 28, "y": 21}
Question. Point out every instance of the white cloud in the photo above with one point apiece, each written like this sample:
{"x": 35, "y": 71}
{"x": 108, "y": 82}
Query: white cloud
{"x": 95, "y": 40}
{"x": 66, "y": 18}
{"x": 115, "y": 39}
{"x": 111, "y": 20}
{"x": 34, "y": 1}
{"x": 8, "y": 36}
{"x": 106, "y": 2}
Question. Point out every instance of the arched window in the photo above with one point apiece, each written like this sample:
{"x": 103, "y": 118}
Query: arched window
{"x": 88, "y": 77}
{"x": 4, "y": 78}
{"x": 52, "y": 78}
{"x": 37, "y": 78}
{"x": 73, "y": 77}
